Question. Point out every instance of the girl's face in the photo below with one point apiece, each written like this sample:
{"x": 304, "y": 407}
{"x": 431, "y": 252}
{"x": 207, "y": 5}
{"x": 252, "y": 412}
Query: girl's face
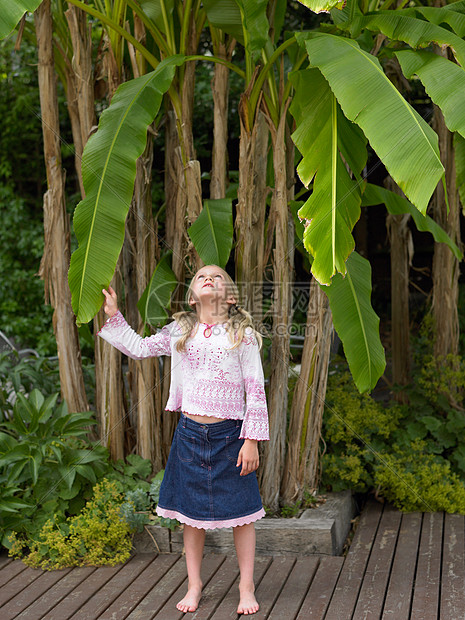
{"x": 211, "y": 284}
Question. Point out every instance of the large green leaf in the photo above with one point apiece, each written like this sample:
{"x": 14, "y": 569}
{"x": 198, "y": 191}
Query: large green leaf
{"x": 322, "y": 6}
{"x": 404, "y": 142}
{"x": 334, "y": 205}
{"x": 417, "y": 26}
{"x": 398, "y": 205}
{"x": 156, "y": 298}
{"x": 212, "y": 232}
{"x": 245, "y": 20}
{"x": 108, "y": 170}
{"x": 255, "y": 23}
{"x": 400, "y": 26}
{"x": 225, "y": 15}
{"x": 444, "y": 81}
{"x": 356, "y": 322}
{"x": 154, "y": 10}
{"x": 12, "y": 11}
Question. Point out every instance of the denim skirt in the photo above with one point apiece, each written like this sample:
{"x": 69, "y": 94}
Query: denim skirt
{"x": 202, "y": 486}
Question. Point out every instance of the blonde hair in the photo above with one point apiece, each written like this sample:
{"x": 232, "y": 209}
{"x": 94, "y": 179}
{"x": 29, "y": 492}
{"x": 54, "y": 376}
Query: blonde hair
{"x": 238, "y": 318}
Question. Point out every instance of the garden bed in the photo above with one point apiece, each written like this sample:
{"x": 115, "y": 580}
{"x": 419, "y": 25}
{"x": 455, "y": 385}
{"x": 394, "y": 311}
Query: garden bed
{"x": 318, "y": 531}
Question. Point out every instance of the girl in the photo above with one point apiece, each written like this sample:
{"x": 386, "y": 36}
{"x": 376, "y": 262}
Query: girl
{"x": 217, "y": 384}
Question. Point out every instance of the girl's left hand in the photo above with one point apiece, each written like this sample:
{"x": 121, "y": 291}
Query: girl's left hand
{"x": 248, "y": 457}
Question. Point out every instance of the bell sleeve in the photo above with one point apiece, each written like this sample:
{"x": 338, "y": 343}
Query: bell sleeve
{"x": 118, "y": 333}
{"x": 255, "y": 424}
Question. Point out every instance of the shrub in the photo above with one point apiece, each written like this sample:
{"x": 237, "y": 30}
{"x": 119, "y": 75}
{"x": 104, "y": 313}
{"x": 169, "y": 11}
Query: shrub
{"x": 97, "y": 536}
{"x": 412, "y": 454}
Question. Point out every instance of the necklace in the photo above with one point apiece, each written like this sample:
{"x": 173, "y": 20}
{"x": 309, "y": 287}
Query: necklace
{"x": 207, "y": 332}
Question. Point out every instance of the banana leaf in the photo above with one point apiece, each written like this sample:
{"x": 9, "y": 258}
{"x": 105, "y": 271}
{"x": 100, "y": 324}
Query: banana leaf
{"x": 155, "y": 300}
{"x": 153, "y": 10}
{"x": 453, "y": 15}
{"x": 322, "y": 6}
{"x": 212, "y": 232}
{"x": 459, "y": 145}
{"x": 108, "y": 170}
{"x": 400, "y": 26}
{"x": 417, "y": 26}
{"x": 444, "y": 81}
{"x": 12, "y": 11}
{"x": 356, "y": 322}
{"x": 225, "y": 15}
{"x": 334, "y": 205}
{"x": 398, "y": 205}
{"x": 404, "y": 142}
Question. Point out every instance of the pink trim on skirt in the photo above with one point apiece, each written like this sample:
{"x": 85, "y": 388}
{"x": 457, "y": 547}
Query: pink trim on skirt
{"x": 210, "y": 525}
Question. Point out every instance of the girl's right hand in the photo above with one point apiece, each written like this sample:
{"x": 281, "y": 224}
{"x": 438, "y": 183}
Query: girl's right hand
{"x": 110, "y": 305}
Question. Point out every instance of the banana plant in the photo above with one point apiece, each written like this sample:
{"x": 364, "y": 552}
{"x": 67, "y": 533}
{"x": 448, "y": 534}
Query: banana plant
{"x": 109, "y": 168}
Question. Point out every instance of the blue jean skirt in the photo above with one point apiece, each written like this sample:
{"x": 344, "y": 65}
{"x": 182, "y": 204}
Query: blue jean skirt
{"x": 202, "y": 486}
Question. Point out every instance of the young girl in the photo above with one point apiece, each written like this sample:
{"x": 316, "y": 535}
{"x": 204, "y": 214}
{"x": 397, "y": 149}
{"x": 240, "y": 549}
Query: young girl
{"x": 217, "y": 383}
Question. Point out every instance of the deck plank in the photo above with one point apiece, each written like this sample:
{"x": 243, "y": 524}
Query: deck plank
{"x": 40, "y": 584}
{"x": 273, "y": 582}
{"x": 81, "y": 594}
{"x": 102, "y": 598}
{"x": 9, "y": 570}
{"x": 158, "y": 595}
{"x": 400, "y": 586}
{"x": 217, "y": 588}
{"x": 295, "y": 589}
{"x": 345, "y": 594}
{"x": 453, "y": 569}
{"x": 425, "y": 602}
{"x": 372, "y": 592}
{"x": 51, "y": 597}
{"x": 228, "y": 608}
{"x": 146, "y": 580}
{"x": 321, "y": 589}
{"x": 210, "y": 564}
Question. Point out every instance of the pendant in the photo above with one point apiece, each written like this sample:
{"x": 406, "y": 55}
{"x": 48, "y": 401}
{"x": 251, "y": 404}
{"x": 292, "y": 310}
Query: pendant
{"x": 207, "y": 332}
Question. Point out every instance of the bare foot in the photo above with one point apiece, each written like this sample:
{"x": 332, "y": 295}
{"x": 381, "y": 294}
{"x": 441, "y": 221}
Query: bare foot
{"x": 247, "y": 603}
{"x": 191, "y": 601}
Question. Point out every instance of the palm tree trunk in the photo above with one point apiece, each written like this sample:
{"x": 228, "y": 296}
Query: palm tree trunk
{"x": 445, "y": 266}
{"x": 301, "y": 469}
{"x": 401, "y": 260}
{"x": 139, "y": 263}
{"x": 109, "y": 386}
{"x": 55, "y": 262}
{"x": 220, "y": 93}
{"x": 250, "y": 214}
{"x": 283, "y": 261}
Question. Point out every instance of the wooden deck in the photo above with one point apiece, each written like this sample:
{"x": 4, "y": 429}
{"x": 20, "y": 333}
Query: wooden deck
{"x": 399, "y": 566}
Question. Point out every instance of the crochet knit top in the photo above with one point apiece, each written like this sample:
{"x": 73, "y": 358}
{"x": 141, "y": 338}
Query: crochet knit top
{"x": 209, "y": 378}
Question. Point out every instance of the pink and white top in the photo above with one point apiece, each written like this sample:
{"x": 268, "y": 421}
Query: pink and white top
{"x": 209, "y": 378}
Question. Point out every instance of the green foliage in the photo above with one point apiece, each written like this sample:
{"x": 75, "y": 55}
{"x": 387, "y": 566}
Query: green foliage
{"x": 23, "y": 313}
{"x": 140, "y": 503}
{"x": 411, "y": 454}
{"x": 97, "y": 536}
{"x": 413, "y": 480}
{"x": 45, "y": 462}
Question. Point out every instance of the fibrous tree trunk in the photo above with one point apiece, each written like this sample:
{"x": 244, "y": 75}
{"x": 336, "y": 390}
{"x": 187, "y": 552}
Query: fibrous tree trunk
{"x": 55, "y": 261}
{"x": 139, "y": 262}
{"x": 109, "y": 387}
{"x": 283, "y": 261}
{"x": 401, "y": 253}
{"x": 301, "y": 469}
{"x": 80, "y": 92}
{"x": 251, "y": 212}
{"x": 220, "y": 93}
{"x": 445, "y": 265}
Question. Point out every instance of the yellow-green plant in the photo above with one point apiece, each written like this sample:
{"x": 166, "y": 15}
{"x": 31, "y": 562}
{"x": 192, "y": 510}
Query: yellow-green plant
{"x": 98, "y": 535}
